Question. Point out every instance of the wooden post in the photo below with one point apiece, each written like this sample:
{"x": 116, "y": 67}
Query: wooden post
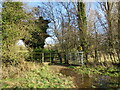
{"x": 78, "y": 59}
{"x": 82, "y": 58}
{"x": 31, "y": 56}
{"x": 42, "y": 57}
{"x": 66, "y": 57}
{"x": 74, "y": 57}
{"x": 70, "y": 57}
{"x": 50, "y": 57}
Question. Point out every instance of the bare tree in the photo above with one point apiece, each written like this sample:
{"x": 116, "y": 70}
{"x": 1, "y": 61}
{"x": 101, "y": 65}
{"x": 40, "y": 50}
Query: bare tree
{"x": 106, "y": 13}
{"x": 64, "y": 24}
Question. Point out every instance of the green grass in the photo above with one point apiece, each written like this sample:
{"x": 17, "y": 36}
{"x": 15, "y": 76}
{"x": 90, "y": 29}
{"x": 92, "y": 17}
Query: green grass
{"x": 112, "y": 71}
{"x": 38, "y": 78}
{"x": 111, "y": 75}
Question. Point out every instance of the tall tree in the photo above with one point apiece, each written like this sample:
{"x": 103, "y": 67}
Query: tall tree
{"x": 118, "y": 30}
{"x": 107, "y": 9}
{"x": 82, "y": 25}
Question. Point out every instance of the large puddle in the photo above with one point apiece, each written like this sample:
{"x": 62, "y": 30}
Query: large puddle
{"x": 94, "y": 81}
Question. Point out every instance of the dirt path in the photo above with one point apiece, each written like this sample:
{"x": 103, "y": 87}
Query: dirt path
{"x": 80, "y": 81}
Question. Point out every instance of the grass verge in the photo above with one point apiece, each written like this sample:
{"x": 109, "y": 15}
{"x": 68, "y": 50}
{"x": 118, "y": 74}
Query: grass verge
{"x": 111, "y": 71}
{"x": 34, "y": 76}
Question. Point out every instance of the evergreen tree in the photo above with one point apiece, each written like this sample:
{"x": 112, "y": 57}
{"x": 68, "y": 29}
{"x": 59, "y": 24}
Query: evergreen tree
{"x": 16, "y": 25}
{"x": 14, "y": 28}
{"x": 39, "y": 33}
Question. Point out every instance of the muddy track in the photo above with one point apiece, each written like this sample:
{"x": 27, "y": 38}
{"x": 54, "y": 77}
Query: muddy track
{"x": 80, "y": 81}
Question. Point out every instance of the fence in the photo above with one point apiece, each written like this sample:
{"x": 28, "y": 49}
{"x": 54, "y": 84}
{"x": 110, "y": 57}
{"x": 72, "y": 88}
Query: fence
{"x": 75, "y": 58}
{"x": 72, "y": 57}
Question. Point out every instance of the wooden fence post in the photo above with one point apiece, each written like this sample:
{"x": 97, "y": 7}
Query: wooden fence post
{"x": 82, "y": 58}
{"x": 42, "y": 57}
{"x": 50, "y": 57}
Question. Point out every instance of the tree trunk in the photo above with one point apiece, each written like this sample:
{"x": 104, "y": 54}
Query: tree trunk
{"x": 119, "y": 31}
{"x": 66, "y": 59}
{"x": 59, "y": 55}
{"x": 82, "y": 28}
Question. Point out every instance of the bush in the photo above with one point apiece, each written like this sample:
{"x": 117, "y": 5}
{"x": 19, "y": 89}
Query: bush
{"x": 13, "y": 56}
